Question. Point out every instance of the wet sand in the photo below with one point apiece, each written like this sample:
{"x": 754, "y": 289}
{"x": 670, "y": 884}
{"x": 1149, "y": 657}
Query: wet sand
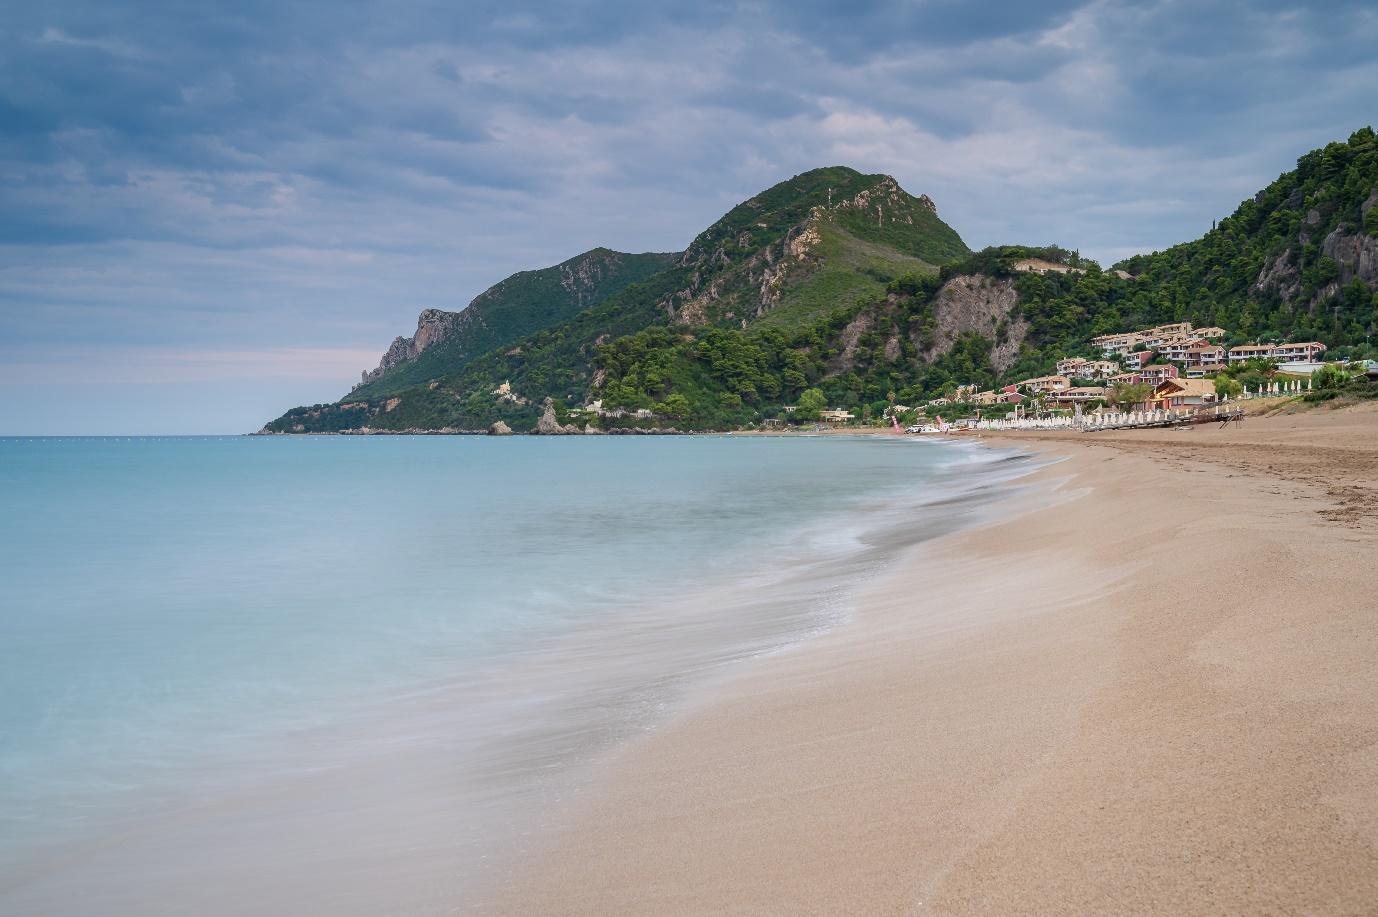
{"x": 1158, "y": 694}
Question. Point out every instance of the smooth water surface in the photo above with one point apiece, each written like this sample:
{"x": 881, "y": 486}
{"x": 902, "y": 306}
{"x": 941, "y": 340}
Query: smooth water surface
{"x": 186, "y": 619}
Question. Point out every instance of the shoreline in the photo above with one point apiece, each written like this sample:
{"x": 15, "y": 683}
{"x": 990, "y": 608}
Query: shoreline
{"x": 420, "y": 800}
{"x": 1152, "y": 695}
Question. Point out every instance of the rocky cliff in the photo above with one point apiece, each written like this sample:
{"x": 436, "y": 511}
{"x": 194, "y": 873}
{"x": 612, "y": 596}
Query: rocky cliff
{"x": 432, "y": 327}
{"x": 980, "y": 305}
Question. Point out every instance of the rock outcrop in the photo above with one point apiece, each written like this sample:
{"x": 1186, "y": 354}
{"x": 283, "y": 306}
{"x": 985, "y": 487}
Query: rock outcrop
{"x": 549, "y": 425}
{"x": 1280, "y": 274}
{"x": 1355, "y": 254}
{"x": 977, "y": 304}
{"x": 432, "y": 326}
{"x": 499, "y": 429}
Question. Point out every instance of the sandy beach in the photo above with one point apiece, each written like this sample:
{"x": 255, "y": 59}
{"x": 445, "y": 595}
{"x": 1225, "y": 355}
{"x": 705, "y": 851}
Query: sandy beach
{"x": 1153, "y": 690}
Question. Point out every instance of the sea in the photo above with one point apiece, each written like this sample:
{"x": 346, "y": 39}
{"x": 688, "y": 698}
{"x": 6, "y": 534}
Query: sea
{"x": 279, "y": 675}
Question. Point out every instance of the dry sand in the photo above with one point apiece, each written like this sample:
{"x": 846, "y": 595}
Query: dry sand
{"x": 1158, "y": 695}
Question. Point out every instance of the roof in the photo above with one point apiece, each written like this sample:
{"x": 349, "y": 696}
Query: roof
{"x": 1190, "y": 388}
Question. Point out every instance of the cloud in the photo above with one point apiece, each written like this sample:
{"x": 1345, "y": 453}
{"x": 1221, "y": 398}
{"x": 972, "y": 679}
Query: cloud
{"x": 280, "y": 177}
{"x": 111, "y": 46}
{"x": 100, "y": 366}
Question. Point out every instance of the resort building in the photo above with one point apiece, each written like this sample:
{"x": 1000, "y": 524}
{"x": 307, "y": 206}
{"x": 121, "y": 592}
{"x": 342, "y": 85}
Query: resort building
{"x": 835, "y": 415}
{"x": 1202, "y": 352}
{"x": 1159, "y": 372}
{"x": 1176, "y": 349}
{"x": 1251, "y": 352}
{"x": 1047, "y": 383}
{"x": 1182, "y": 393}
{"x": 1205, "y": 369}
{"x": 1079, "y": 368}
{"x": 1078, "y": 395}
{"x": 1117, "y": 344}
{"x": 1175, "y": 329}
{"x": 1071, "y": 366}
{"x": 1173, "y": 334}
{"x": 1304, "y": 352}
{"x": 1307, "y": 352}
{"x": 1098, "y": 369}
{"x": 1137, "y": 360}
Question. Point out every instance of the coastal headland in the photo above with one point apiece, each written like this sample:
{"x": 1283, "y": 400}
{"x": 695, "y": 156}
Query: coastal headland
{"x": 1150, "y": 690}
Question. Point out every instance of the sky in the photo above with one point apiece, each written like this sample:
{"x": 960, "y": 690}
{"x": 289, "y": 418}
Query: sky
{"x": 210, "y": 213}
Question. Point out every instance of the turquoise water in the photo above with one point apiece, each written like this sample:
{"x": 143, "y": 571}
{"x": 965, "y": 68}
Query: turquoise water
{"x": 184, "y": 620}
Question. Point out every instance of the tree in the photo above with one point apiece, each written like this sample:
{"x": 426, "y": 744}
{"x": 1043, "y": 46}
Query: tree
{"x": 811, "y": 403}
{"x": 1329, "y": 377}
{"x": 1126, "y": 395}
{"x": 1228, "y": 387}
{"x": 675, "y": 405}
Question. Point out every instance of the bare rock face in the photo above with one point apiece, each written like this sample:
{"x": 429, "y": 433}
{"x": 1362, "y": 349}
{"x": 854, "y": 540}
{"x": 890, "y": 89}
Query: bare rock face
{"x": 976, "y": 303}
{"x": 548, "y": 425}
{"x": 499, "y": 429}
{"x": 1279, "y": 273}
{"x": 1356, "y": 255}
{"x": 432, "y": 325}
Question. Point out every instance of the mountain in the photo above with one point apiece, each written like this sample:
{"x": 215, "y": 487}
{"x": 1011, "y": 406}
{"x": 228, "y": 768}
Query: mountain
{"x": 803, "y": 246}
{"x": 797, "y": 250}
{"x": 527, "y": 301}
{"x": 827, "y": 282}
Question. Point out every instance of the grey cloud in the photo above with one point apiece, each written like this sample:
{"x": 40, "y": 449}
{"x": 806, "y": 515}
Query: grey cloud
{"x": 311, "y": 173}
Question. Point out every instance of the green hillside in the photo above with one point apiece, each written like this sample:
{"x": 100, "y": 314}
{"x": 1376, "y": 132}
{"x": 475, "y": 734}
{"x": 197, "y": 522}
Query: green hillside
{"x": 1299, "y": 259}
{"x": 824, "y": 283}
{"x": 513, "y": 308}
{"x": 807, "y": 244}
